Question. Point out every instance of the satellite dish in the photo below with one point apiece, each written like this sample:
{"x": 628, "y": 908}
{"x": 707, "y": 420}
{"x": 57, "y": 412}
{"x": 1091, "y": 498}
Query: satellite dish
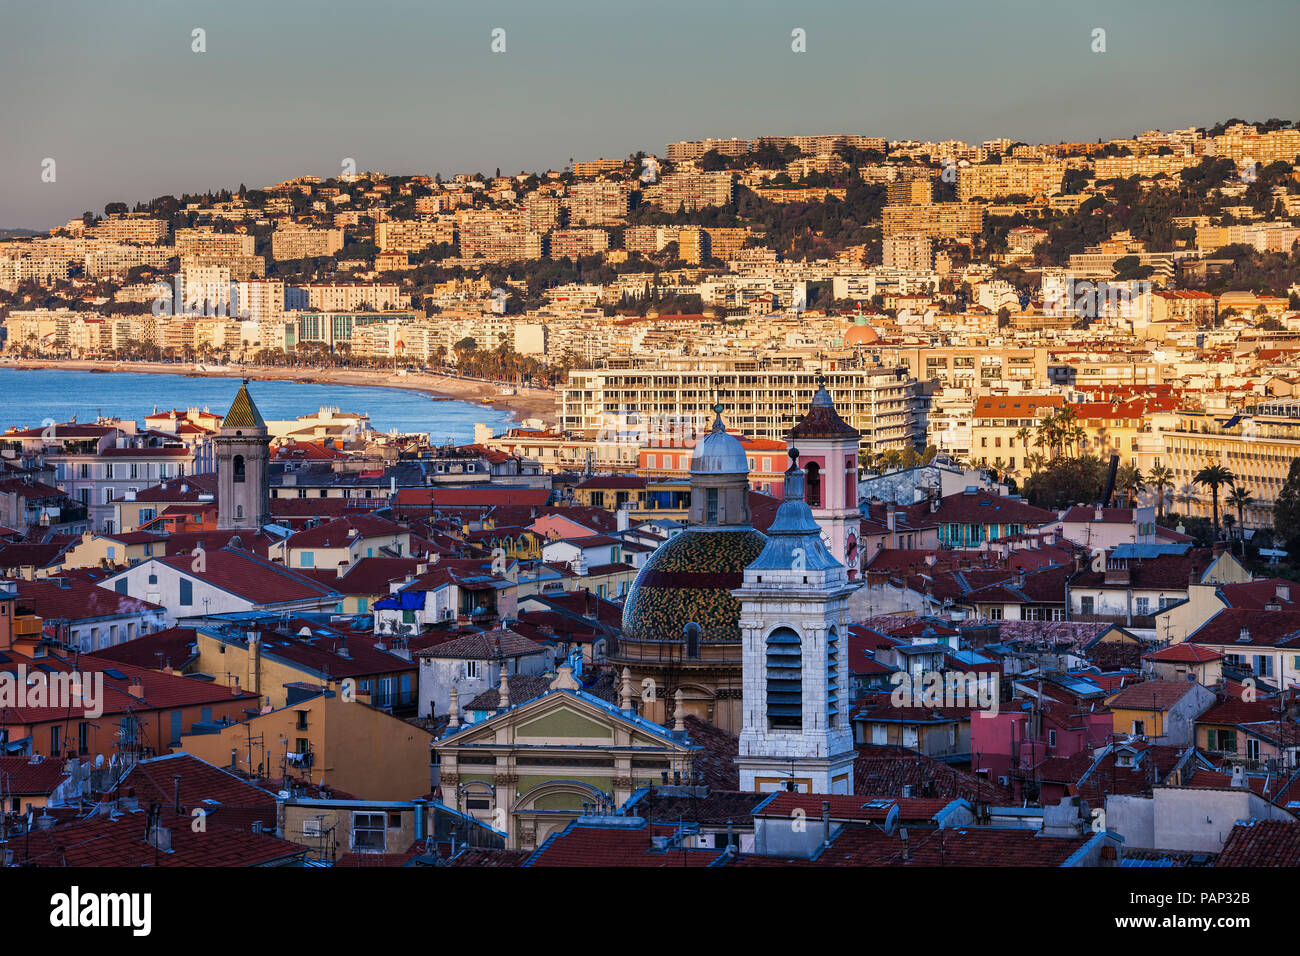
{"x": 891, "y": 820}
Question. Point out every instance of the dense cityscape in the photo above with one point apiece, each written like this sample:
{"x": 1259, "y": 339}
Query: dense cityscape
{"x": 866, "y": 503}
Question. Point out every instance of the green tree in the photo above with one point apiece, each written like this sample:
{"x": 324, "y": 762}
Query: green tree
{"x": 1159, "y": 480}
{"x": 1214, "y": 477}
{"x": 1286, "y": 510}
{"x": 1063, "y": 482}
{"x": 1130, "y": 480}
{"x": 1241, "y": 499}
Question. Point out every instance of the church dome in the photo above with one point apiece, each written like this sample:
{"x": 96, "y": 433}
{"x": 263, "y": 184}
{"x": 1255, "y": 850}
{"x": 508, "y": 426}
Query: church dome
{"x": 861, "y": 335}
{"x": 719, "y": 453}
{"x": 690, "y": 579}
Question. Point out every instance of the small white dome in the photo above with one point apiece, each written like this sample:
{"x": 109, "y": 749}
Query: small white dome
{"x": 718, "y": 453}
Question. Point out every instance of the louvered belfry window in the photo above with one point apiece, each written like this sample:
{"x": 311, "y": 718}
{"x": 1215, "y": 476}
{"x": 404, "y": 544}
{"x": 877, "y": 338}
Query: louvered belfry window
{"x": 784, "y": 679}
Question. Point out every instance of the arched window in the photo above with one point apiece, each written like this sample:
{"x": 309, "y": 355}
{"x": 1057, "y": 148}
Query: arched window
{"x": 692, "y": 634}
{"x": 239, "y": 468}
{"x": 784, "y": 679}
{"x": 813, "y": 485}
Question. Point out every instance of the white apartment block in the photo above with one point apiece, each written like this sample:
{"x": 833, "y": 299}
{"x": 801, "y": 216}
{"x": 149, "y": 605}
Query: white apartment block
{"x": 760, "y": 402}
{"x": 346, "y": 297}
{"x": 206, "y": 242}
{"x": 299, "y": 242}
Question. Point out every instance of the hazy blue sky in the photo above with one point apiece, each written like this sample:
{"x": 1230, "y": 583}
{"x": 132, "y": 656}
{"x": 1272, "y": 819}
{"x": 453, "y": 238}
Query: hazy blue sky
{"x": 112, "y": 92}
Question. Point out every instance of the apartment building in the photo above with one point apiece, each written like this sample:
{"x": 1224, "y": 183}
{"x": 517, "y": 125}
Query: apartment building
{"x": 261, "y": 300}
{"x": 758, "y": 401}
{"x": 1003, "y": 426}
{"x": 346, "y": 296}
{"x": 596, "y": 167}
{"x": 572, "y": 243}
{"x": 498, "y": 237}
{"x": 1187, "y": 306}
{"x": 911, "y": 192}
{"x": 132, "y": 228}
{"x": 1009, "y": 178}
{"x": 203, "y": 241}
{"x": 692, "y": 190}
{"x": 303, "y": 242}
{"x": 1243, "y": 144}
{"x": 973, "y": 367}
{"x": 45, "y": 270}
{"x": 915, "y": 253}
{"x": 541, "y": 211}
{"x": 118, "y": 260}
{"x": 333, "y": 328}
{"x": 946, "y": 220}
{"x": 864, "y": 286}
{"x": 1122, "y": 167}
{"x": 686, "y": 151}
{"x": 1257, "y": 446}
{"x": 599, "y": 203}
{"x": 239, "y": 267}
{"x": 413, "y": 235}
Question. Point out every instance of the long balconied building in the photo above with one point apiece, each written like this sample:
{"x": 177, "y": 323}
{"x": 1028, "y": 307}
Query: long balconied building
{"x": 763, "y": 402}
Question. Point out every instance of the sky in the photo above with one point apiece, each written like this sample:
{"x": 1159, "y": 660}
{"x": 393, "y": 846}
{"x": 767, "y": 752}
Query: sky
{"x": 113, "y": 92}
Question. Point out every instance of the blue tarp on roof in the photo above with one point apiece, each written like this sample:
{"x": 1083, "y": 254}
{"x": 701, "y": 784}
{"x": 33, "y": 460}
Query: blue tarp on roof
{"x": 401, "y": 601}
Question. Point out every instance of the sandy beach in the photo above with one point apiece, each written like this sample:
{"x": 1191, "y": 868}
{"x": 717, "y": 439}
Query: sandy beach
{"x": 525, "y": 403}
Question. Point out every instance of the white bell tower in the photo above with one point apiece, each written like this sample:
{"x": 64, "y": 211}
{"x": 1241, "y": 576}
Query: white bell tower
{"x": 794, "y": 627}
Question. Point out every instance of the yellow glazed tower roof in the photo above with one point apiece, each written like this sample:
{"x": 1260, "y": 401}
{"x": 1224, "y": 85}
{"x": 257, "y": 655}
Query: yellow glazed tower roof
{"x": 243, "y": 413}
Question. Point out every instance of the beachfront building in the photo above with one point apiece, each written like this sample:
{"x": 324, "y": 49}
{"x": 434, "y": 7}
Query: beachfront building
{"x": 764, "y": 402}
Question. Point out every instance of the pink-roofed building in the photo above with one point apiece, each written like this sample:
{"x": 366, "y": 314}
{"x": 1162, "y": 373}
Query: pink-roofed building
{"x": 1007, "y": 745}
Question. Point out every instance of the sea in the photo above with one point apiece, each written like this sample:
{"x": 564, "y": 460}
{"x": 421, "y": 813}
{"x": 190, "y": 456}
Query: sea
{"x": 31, "y": 397}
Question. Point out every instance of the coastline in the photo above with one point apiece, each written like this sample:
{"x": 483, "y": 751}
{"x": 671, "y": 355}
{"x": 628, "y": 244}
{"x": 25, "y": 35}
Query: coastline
{"x": 525, "y": 403}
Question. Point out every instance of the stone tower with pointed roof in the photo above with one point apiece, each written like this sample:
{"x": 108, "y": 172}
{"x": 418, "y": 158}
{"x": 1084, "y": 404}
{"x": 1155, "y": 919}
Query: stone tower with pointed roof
{"x": 829, "y": 446}
{"x": 794, "y": 643}
{"x": 243, "y": 461}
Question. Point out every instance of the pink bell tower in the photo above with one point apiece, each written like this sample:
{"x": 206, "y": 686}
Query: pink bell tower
{"x": 828, "y": 452}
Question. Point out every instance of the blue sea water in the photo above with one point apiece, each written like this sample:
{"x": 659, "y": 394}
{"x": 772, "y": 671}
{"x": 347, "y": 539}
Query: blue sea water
{"x": 29, "y": 397}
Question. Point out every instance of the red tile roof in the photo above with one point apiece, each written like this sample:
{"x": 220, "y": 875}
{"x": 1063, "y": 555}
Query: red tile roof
{"x": 1262, "y": 843}
{"x": 1151, "y": 695}
{"x": 31, "y": 776}
{"x": 78, "y": 600}
{"x": 119, "y": 840}
{"x": 250, "y": 577}
{"x": 591, "y": 844}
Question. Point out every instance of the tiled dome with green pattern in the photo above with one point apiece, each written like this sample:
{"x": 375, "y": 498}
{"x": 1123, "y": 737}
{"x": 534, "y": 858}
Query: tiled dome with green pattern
{"x": 690, "y": 578}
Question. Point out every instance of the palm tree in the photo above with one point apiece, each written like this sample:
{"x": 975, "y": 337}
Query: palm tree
{"x": 1075, "y": 437}
{"x": 1035, "y": 462}
{"x": 1241, "y": 499}
{"x": 1159, "y": 479}
{"x": 1129, "y": 480}
{"x": 1023, "y": 434}
{"x": 1214, "y": 477}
